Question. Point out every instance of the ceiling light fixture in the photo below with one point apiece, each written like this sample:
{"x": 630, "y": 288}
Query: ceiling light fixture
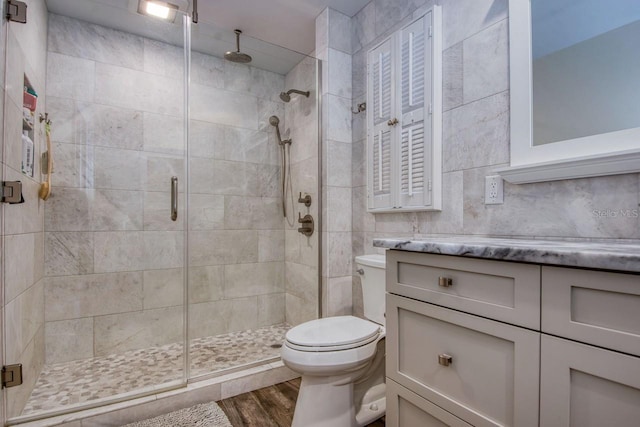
{"x": 158, "y": 9}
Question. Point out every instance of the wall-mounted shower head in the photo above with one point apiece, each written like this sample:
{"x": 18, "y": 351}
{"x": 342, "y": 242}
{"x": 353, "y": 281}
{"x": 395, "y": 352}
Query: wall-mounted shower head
{"x": 237, "y": 56}
{"x": 286, "y": 96}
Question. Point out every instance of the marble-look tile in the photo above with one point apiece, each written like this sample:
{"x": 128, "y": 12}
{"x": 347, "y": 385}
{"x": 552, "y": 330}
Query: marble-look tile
{"x": 206, "y": 212}
{"x": 223, "y": 177}
{"x": 362, "y": 220}
{"x": 67, "y": 340}
{"x": 356, "y": 298}
{"x": 12, "y": 132}
{"x": 113, "y": 210}
{"x": 271, "y": 309}
{"x": 164, "y": 59}
{"x": 322, "y": 30}
{"x": 271, "y": 245}
{"x": 64, "y": 110}
{"x": 268, "y": 108}
{"x": 29, "y": 216}
{"x": 363, "y": 27}
{"x": 262, "y": 379}
{"x": 163, "y": 249}
{"x": 117, "y": 169}
{"x": 464, "y": 18}
{"x": 243, "y": 145}
{"x": 206, "y": 140}
{"x": 116, "y": 333}
{"x": 73, "y": 165}
{"x": 229, "y": 108}
{"x": 89, "y": 41}
{"x": 68, "y": 253}
{"x": 486, "y": 62}
{"x": 451, "y": 218}
{"x": 339, "y": 76}
{"x": 358, "y": 163}
{"x": 24, "y": 319}
{"x": 105, "y": 126}
{"x": 299, "y": 310}
{"x": 545, "y": 209}
{"x": 476, "y": 134}
{"x": 119, "y": 251}
{"x": 338, "y": 164}
{"x": 15, "y": 69}
{"x": 339, "y": 34}
{"x": 237, "y": 77}
{"x": 301, "y": 281}
{"x": 73, "y": 297}
{"x": 19, "y": 273}
{"x": 338, "y": 254}
{"x": 69, "y": 77}
{"x": 162, "y": 288}
{"x": 397, "y": 223}
{"x": 206, "y": 283}
{"x": 338, "y": 205}
{"x": 339, "y": 294}
{"x": 159, "y": 170}
{"x": 269, "y": 180}
{"x": 207, "y": 70}
{"x": 359, "y": 83}
{"x": 126, "y": 88}
{"x": 245, "y": 280}
{"x": 389, "y": 13}
{"x": 452, "y": 79}
{"x": 338, "y": 113}
{"x": 251, "y": 213}
{"x": 69, "y": 209}
{"x": 164, "y": 134}
{"x": 266, "y": 84}
{"x": 221, "y": 317}
{"x": 157, "y": 211}
{"x": 231, "y": 247}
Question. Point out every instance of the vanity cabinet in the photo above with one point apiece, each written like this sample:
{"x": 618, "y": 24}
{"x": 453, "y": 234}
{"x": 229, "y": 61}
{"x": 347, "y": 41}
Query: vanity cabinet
{"x": 492, "y": 343}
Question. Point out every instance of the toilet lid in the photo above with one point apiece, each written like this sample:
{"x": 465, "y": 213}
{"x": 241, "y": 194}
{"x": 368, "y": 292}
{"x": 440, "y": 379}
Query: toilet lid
{"x": 336, "y": 333}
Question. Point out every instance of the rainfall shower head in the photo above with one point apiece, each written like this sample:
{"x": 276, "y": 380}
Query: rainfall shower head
{"x": 237, "y": 56}
{"x": 286, "y": 96}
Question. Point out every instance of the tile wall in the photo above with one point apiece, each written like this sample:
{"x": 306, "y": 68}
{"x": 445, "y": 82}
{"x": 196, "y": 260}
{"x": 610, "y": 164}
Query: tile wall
{"x": 476, "y": 141}
{"x": 113, "y": 257}
{"x": 23, "y": 262}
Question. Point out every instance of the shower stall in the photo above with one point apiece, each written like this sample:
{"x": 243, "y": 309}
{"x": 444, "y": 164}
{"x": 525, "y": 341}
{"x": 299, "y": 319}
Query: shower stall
{"x": 162, "y": 255}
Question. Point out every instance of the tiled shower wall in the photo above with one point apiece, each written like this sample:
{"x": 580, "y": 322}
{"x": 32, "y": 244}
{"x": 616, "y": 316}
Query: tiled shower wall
{"x": 113, "y": 257}
{"x": 23, "y": 261}
{"x": 301, "y": 254}
{"x": 476, "y": 141}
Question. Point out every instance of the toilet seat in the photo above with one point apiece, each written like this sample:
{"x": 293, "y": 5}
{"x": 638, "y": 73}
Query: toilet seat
{"x": 332, "y": 334}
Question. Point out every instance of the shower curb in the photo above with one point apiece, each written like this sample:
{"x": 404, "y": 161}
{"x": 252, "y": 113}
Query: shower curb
{"x": 194, "y": 393}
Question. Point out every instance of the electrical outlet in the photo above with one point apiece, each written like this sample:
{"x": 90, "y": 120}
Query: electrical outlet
{"x": 493, "y": 190}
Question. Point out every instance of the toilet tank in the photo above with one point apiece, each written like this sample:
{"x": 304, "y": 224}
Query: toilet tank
{"x": 372, "y": 275}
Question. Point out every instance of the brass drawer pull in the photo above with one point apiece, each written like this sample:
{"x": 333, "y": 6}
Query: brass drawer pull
{"x": 445, "y": 359}
{"x": 445, "y": 282}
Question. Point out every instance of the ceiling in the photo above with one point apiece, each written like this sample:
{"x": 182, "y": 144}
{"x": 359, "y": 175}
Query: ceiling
{"x": 276, "y": 33}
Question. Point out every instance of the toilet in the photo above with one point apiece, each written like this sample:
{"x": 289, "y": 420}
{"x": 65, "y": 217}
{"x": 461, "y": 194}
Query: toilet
{"x": 341, "y": 359}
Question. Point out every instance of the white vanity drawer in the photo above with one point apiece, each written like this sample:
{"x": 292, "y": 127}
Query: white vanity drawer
{"x": 407, "y": 409}
{"x": 504, "y": 291}
{"x": 591, "y": 306}
{"x": 493, "y": 377}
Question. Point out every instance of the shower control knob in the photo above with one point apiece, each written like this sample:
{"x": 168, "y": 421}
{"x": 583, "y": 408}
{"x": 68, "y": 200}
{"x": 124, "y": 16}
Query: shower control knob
{"x": 393, "y": 122}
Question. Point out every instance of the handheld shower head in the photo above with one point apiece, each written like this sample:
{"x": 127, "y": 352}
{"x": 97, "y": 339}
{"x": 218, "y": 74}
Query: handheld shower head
{"x": 275, "y": 122}
{"x": 286, "y": 96}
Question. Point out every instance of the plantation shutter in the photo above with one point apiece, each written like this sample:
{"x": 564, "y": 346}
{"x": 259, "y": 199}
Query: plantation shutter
{"x": 415, "y": 90}
{"x": 381, "y": 87}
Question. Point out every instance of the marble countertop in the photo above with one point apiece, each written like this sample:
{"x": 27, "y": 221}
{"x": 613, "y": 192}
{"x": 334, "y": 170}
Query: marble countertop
{"x": 623, "y": 256}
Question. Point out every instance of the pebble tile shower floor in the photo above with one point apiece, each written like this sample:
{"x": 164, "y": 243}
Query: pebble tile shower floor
{"x": 79, "y": 381}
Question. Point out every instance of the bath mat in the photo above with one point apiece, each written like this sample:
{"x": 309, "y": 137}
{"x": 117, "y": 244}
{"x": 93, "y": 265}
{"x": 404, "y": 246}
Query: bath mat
{"x": 203, "y": 415}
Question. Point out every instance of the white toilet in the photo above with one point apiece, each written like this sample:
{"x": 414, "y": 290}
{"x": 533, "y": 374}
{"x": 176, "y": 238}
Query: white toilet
{"x": 341, "y": 359}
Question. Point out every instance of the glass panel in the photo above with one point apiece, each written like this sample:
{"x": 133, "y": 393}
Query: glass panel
{"x": 252, "y": 275}
{"x": 94, "y": 278}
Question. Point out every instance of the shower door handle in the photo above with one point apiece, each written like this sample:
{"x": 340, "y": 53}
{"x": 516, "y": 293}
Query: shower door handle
{"x": 174, "y": 198}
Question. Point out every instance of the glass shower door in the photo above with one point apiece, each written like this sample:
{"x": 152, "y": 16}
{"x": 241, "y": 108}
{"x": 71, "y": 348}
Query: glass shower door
{"x": 94, "y": 289}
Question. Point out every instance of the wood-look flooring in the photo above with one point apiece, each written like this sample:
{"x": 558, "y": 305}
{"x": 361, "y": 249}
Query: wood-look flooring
{"x": 267, "y": 407}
